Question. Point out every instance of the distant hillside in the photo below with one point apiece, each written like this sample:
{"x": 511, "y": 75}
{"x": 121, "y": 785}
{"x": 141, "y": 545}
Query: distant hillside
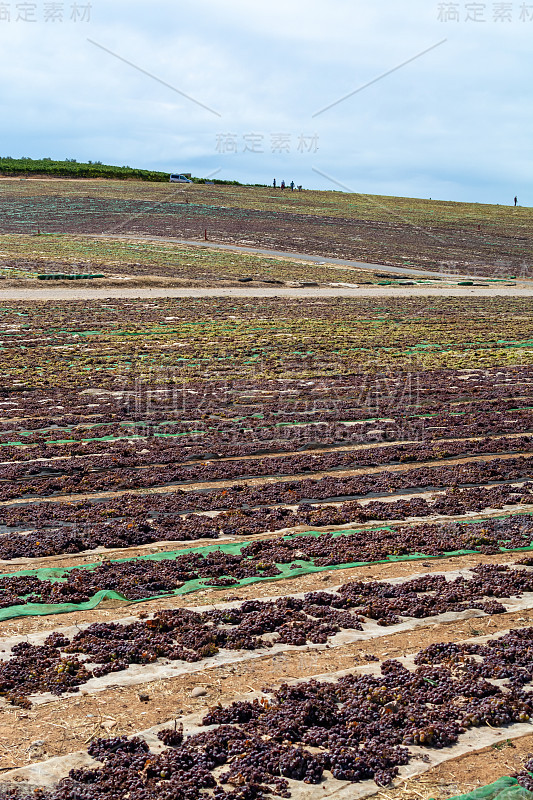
{"x": 92, "y": 169}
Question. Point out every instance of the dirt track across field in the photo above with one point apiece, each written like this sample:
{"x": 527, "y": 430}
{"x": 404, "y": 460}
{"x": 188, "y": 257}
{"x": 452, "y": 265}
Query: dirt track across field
{"x": 450, "y": 286}
{"x": 103, "y": 293}
{"x": 312, "y": 259}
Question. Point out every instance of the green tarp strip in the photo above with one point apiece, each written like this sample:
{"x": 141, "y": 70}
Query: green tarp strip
{"x": 293, "y": 569}
{"x": 503, "y": 789}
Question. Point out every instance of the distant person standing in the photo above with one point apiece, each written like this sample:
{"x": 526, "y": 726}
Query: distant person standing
{"x": 515, "y": 201}
{"x": 274, "y": 183}
{"x": 292, "y": 186}
{"x": 282, "y": 185}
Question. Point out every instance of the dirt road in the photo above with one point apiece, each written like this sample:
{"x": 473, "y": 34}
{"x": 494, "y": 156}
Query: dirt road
{"x": 448, "y": 288}
{"x": 312, "y": 259}
{"x": 50, "y": 293}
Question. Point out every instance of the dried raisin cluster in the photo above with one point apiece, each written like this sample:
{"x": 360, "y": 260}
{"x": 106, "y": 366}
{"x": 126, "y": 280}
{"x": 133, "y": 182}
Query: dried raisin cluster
{"x": 142, "y": 578}
{"x": 158, "y": 519}
{"x": 356, "y": 728}
{"x": 62, "y": 664}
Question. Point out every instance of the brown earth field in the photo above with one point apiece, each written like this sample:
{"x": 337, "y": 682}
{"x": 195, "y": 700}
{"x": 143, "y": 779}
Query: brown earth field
{"x": 133, "y": 428}
{"x": 451, "y": 237}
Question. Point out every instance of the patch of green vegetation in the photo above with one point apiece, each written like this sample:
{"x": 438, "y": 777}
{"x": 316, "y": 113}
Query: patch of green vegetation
{"x": 27, "y": 256}
{"x": 70, "y": 168}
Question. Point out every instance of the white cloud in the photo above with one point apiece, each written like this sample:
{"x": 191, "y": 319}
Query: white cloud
{"x": 455, "y": 123}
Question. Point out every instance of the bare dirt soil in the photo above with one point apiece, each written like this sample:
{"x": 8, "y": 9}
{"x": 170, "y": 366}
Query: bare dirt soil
{"x": 278, "y": 221}
{"x": 126, "y": 292}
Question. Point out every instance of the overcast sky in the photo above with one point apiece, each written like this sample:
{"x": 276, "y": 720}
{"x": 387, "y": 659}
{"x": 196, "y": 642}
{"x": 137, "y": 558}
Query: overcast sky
{"x": 248, "y": 82}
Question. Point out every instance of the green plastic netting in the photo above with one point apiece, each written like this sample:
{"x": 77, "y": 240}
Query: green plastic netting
{"x": 291, "y": 570}
{"x": 503, "y": 789}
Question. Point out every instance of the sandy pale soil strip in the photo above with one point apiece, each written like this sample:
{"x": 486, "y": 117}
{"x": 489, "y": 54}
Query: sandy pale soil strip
{"x": 56, "y": 294}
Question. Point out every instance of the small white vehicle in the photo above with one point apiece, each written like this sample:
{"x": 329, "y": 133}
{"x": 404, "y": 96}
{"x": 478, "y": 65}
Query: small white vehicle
{"x": 179, "y": 179}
